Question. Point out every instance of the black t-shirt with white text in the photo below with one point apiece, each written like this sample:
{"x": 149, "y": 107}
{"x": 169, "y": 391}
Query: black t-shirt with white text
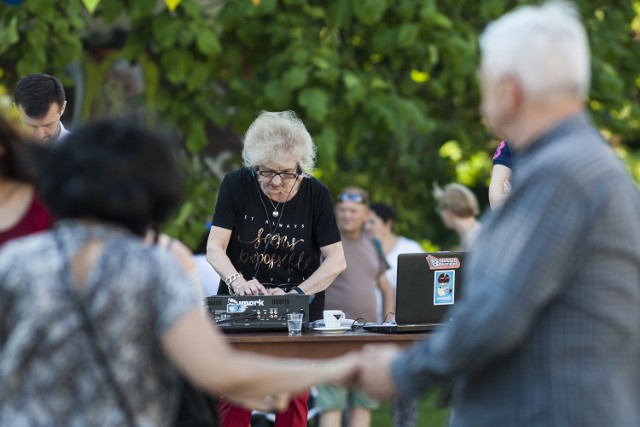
{"x": 292, "y": 240}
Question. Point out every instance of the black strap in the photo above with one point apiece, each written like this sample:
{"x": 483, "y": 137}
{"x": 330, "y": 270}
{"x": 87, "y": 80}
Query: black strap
{"x": 67, "y": 280}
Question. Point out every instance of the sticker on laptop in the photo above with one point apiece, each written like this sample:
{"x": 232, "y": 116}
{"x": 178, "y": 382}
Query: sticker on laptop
{"x": 436, "y": 263}
{"x": 444, "y": 290}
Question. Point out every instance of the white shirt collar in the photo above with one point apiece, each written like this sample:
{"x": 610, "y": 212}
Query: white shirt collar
{"x": 63, "y": 133}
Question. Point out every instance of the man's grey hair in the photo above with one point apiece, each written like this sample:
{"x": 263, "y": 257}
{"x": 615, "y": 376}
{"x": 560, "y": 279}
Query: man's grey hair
{"x": 274, "y": 134}
{"x": 544, "y": 47}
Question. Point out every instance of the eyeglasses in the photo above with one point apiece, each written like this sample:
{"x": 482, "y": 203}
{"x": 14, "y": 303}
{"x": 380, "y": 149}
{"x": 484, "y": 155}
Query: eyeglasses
{"x": 358, "y": 198}
{"x": 285, "y": 176}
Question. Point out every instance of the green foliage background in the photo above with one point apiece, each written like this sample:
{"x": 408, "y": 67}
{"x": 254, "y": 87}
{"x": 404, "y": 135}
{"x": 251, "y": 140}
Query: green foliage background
{"x": 386, "y": 87}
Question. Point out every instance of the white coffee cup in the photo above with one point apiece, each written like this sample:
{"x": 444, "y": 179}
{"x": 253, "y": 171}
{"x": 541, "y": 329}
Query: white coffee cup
{"x": 333, "y": 318}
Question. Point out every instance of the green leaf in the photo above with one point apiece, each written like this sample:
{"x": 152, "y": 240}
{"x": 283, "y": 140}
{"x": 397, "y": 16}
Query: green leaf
{"x": 491, "y": 9}
{"x": 428, "y": 8}
{"x": 31, "y": 64}
{"x": 196, "y": 136}
{"x": 339, "y": 13}
{"x": 408, "y": 35}
{"x": 321, "y": 62}
{"x": 109, "y": 10}
{"x": 380, "y": 109}
{"x": 276, "y": 93}
{"x": 295, "y": 78}
{"x": 300, "y": 55}
{"x": 406, "y": 9}
{"x": 9, "y": 35}
{"x": 384, "y": 41}
{"x": 135, "y": 46}
{"x": 198, "y": 74}
{"x": 442, "y": 21}
{"x": 328, "y": 76}
{"x": 37, "y": 36}
{"x": 176, "y": 63}
{"x": 210, "y": 110}
{"x": 265, "y": 7}
{"x": 355, "y": 90}
{"x": 327, "y": 143}
{"x": 370, "y": 12}
{"x": 165, "y": 31}
{"x": 314, "y": 12}
{"x": 186, "y": 36}
{"x": 44, "y": 10}
{"x": 411, "y": 113}
{"x": 192, "y": 9}
{"x": 140, "y": 9}
{"x": 208, "y": 43}
{"x": 315, "y": 102}
{"x": 75, "y": 18}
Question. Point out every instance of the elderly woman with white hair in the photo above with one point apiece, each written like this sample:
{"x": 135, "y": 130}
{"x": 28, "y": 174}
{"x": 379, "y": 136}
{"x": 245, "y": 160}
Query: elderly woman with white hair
{"x": 274, "y": 230}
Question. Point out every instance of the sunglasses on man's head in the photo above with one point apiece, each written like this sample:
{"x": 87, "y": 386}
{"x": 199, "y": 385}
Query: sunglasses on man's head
{"x": 358, "y": 198}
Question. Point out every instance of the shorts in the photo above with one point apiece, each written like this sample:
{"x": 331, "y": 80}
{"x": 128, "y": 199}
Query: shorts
{"x": 333, "y": 398}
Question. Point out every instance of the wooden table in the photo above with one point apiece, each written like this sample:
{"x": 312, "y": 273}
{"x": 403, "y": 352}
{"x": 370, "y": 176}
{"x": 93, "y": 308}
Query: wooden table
{"x": 314, "y": 345}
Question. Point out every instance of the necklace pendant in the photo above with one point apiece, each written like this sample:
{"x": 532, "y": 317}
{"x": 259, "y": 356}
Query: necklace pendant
{"x": 275, "y": 214}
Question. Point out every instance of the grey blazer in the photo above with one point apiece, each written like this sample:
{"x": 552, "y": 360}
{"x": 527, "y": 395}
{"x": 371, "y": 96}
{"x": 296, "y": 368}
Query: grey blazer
{"x": 548, "y": 332}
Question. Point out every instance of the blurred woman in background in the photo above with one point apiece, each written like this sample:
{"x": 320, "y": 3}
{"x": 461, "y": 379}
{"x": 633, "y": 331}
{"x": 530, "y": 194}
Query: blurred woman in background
{"x": 96, "y": 331}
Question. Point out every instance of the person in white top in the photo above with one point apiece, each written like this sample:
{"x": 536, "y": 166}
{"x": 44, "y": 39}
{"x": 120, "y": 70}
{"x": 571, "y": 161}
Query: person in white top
{"x": 380, "y": 227}
{"x": 41, "y": 102}
{"x": 209, "y": 278}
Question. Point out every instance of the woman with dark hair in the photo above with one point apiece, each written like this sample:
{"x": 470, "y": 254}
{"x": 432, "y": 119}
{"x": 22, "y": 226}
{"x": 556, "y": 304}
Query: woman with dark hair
{"x": 21, "y": 210}
{"x": 95, "y": 331}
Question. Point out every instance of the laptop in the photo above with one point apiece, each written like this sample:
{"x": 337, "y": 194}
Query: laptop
{"x": 428, "y": 285}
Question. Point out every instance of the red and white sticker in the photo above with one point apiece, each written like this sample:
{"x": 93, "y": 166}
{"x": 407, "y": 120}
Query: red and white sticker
{"x": 436, "y": 263}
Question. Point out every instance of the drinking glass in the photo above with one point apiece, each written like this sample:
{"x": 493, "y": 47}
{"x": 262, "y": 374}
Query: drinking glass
{"x": 294, "y": 323}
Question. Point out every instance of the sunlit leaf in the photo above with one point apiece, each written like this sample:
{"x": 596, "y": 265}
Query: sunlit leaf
{"x": 91, "y": 5}
{"x": 451, "y": 150}
{"x": 419, "y": 76}
{"x": 172, "y": 4}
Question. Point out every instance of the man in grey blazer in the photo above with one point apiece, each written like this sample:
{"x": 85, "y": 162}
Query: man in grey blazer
{"x": 548, "y": 332}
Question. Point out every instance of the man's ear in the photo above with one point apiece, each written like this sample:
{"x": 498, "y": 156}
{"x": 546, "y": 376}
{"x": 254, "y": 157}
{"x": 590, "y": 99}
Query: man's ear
{"x": 512, "y": 94}
{"x": 63, "y": 107}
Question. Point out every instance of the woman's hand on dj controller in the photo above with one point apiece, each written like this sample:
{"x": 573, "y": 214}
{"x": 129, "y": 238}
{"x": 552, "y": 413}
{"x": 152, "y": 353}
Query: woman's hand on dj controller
{"x": 252, "y": 287}
{"x": 275, "y": 292}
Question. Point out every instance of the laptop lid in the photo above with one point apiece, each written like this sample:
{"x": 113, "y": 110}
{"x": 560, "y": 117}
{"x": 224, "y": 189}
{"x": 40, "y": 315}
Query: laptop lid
{"x": 428, "y": 284}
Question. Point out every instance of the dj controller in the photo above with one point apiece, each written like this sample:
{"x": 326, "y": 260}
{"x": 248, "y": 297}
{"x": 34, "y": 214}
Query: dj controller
{"x": 251, "y": 313}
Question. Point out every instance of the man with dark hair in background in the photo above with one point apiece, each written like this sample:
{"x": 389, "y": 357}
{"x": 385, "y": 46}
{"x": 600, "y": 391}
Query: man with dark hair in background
{"x": 41, "y": 102}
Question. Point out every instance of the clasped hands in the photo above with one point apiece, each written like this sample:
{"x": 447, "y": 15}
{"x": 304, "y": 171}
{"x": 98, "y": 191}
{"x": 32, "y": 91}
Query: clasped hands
{"x": 372, "y": 372}
{"x": 368, "y": 370}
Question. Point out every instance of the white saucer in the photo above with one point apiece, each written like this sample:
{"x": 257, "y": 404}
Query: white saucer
{"x": 328, "y": 330}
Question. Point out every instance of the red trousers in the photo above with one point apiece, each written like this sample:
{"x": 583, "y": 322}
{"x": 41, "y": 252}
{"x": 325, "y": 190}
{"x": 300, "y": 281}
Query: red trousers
{"x": 294, "y": 416}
